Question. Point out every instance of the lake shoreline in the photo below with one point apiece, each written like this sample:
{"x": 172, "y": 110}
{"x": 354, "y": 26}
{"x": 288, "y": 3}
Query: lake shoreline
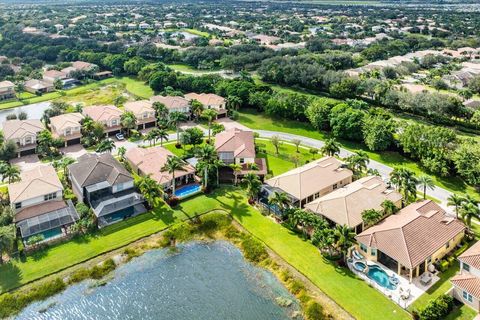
{"x": 200, "y": 229}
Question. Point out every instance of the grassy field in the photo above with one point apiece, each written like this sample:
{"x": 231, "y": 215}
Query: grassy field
{"x": 254, "y": 120}
{"x": 197, "y": 32}
{"x": 340, "y": 284}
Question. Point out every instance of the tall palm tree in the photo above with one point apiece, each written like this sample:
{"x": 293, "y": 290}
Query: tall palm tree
{"x": 161, "y": 134}
{"x": 106, "y": 145}
{"x": 7, "y": 238}
{"x": 196, "y": 108}
{"x": 345, "y": 238}
{"x": 389, "y": 207}
{"x": 405, "y": 180}
{"x": 455, "y": 201}
{"x": 426, "y": 182}
{"x": 173, "y": 164}
{"x": 205, "y": 154}
{"x": 12, "y": 174}
{"x": 63, "y": 164}
{"x": 161, "y": 111}
{"x": 128, "y": 121}
{"x": 150, "y": 190}
{"x": 174, "y": 119}
{"x": 358, "y": 162}
{"x": 280, "y": 200}
{"x": 469, "y": 210}
{"x": 210, "y": 115}
{"x": 252, "y": 184}
{"x": 121, "y": 152}
{"x": 236, "y": 170}
{"x": 330, "y": 148}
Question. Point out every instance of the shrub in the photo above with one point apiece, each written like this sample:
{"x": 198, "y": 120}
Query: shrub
{"x": 254, "y": 250}
{"x": 96, "y": 272}
{"x": 444, "y": 265}
{"x": 296, "y": 286}
{"x": 437, "y": 309}
{"x": 181, "y": 232}
{"x": 314, "y": 311}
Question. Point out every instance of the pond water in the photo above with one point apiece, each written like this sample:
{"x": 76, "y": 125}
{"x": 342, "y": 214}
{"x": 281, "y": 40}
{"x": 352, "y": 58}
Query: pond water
{"x": 200, "y": 281}
{"x": 34, "y": 111}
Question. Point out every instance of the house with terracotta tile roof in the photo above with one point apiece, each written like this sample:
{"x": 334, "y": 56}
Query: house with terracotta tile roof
{"x": 7, "y": 90}
{"x": 309, "y": 182}
{"x": 150, "y": 161}
{"x": 173, "y": 103}
{"x": 411, "y": 240}
{"x": 210, "y": 101}
{"x": 67, "y": 127}
{"x": 23, "y": 133}
{"x": 109, "y": 116}
{"x": 238, "y": 146}
{"x": 106, "y": 186}
{"x": 466, "y": 284}
{"x": 37, "y": 86}
{"x": 38, "y": 204}
{"x": 344, "y": 206}
{"x": 144, "y": 113}
{"x": 54, "y": 75}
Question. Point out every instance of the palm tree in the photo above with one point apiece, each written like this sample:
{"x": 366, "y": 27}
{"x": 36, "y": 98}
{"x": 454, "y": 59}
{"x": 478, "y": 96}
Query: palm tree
{"x": 150, "y": 190}
{"x": 7, "y": 238}
{"x": 161, "y": 111}
{"x": 280, "y": 200}
{"x": 12, "y": 174}
{"x": 371, "y": 217}
{"x": 405, "y": 180}
{"x": 469, "y": 210}
{"x": 455, "y": 201}
{"x": 63, "y": 164}
{"x": 150, "y": 137}
{"x": 210, "y": 115}
{"x": 330, "y": 148}
{"x": 161, "y": 134}
{"x": 236, "y": 170}
{"x": 324, "y": 239}
{"x": 196, "y": 108}
{"x": 426, "y": 182}
{"x": 128, "y": 121}
{"x": 234, "y": 102}
{"x": 358, "y": 162}
{"x": 206, "y": 155}
{"x": 175, "y": 119}
{"x": 345, "y": 238}
{"x": 252, "y": 184}
{"x": 173, "y": 164}
{"x": 121, "y": 152}
{"x": 106, "y": 145}
{"x": 389, "y": 207}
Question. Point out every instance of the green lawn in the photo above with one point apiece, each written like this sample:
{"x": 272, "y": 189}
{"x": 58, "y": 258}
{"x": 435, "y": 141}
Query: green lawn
{"x": 340, "y": 284}
{"x": 136, "y": 87}
{"x": 10, "y": 104}
{"x": 197, "y": 32}
{"x": 255, "y": 120}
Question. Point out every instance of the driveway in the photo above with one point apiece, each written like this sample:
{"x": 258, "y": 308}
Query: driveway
{"x": 27, "y": 162}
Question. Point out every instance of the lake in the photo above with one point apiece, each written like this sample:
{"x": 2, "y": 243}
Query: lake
{"x": 34, "y": 111}
{"x": 200, "y": 281}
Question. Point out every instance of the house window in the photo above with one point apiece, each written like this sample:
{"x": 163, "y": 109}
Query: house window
{"x": 68, "y": 132}
{"x": 120, "y": 187}
{"x": 114, "y": 122}
{"x": 50, "y": 196}
{"x": 28, "y": 140}
{"x": 363, "y": 247}
{"x": 373, "y": 252}
{"x": 242, "y": 160}
{"x": 466, "y": 267}
{"x": 18, "y": 205}
{"x": 145, "y": 115}
{"x": 447, "y": 245}
{"x": 335, "y": 186}
{"x": 317, "y": 195}
{"x": 467, "y": 296}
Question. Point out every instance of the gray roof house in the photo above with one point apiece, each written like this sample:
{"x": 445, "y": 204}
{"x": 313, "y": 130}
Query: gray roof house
{"x": 103, "y": 183}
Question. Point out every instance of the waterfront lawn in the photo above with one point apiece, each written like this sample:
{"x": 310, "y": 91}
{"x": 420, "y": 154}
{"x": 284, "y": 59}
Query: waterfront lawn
{"x": 254, "y": 120}
{"x": 136, "y": 87}
{"x": 340, "y": 284}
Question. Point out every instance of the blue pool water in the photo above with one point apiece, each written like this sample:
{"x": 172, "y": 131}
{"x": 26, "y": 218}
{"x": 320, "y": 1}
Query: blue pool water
{"x": 379, "y": 275}
{"x": 51, "y": 233}
{"x": 200, "y": 281}
{"x": 360, "y": 266}
{"x": 187, "y": 190}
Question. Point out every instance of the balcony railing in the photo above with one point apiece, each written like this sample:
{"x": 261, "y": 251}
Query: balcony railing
{"x": 114, "y": 204}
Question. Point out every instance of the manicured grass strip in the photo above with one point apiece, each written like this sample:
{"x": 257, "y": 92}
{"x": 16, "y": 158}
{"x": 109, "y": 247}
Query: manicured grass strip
{"x": 10, "y": 104}
{"x": 136, "y": 87}
{"x": 255, "y": 120}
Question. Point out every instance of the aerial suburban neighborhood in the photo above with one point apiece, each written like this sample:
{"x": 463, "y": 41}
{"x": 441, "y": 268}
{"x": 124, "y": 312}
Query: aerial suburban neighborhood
{"x": 240, "y": 160}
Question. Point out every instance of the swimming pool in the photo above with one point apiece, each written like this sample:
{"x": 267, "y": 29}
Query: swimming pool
{"x": 188, "y": 190}
{"x": 359, "y": 266}
{"x": 379, "y": 275}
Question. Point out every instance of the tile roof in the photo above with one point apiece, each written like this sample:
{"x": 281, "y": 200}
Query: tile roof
{"x": 17, "y": 129}
{"x": 93, "y": 168}
{"x": 54, "y": 74}
{"x": 38, "y": 84}
{"x": 37, "y": 210}
{"x": 311, "y": 177}
{"x": 345, "y": 205}
{"x": 240, "y": 142}
{"x": 172, "y": 102}
{"x": 413, "y": 234}
{"x": 472, "y": 256}
{"x": 6, "y": 84}
{"x": 207, "y": 99}
{"x": 34, "y": 183}
{"x": 82, "y": 65}
{"x": 139, "y": 107}
{"x": 102, "y": 113}
{"x": 67, "y": 120}
{"x": 151, "y": 160}
{"x": 467, "y": 282}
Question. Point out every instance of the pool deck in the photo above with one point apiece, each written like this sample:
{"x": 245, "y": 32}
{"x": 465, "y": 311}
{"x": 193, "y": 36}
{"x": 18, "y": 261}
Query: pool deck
{"x": 416, "y": 288}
